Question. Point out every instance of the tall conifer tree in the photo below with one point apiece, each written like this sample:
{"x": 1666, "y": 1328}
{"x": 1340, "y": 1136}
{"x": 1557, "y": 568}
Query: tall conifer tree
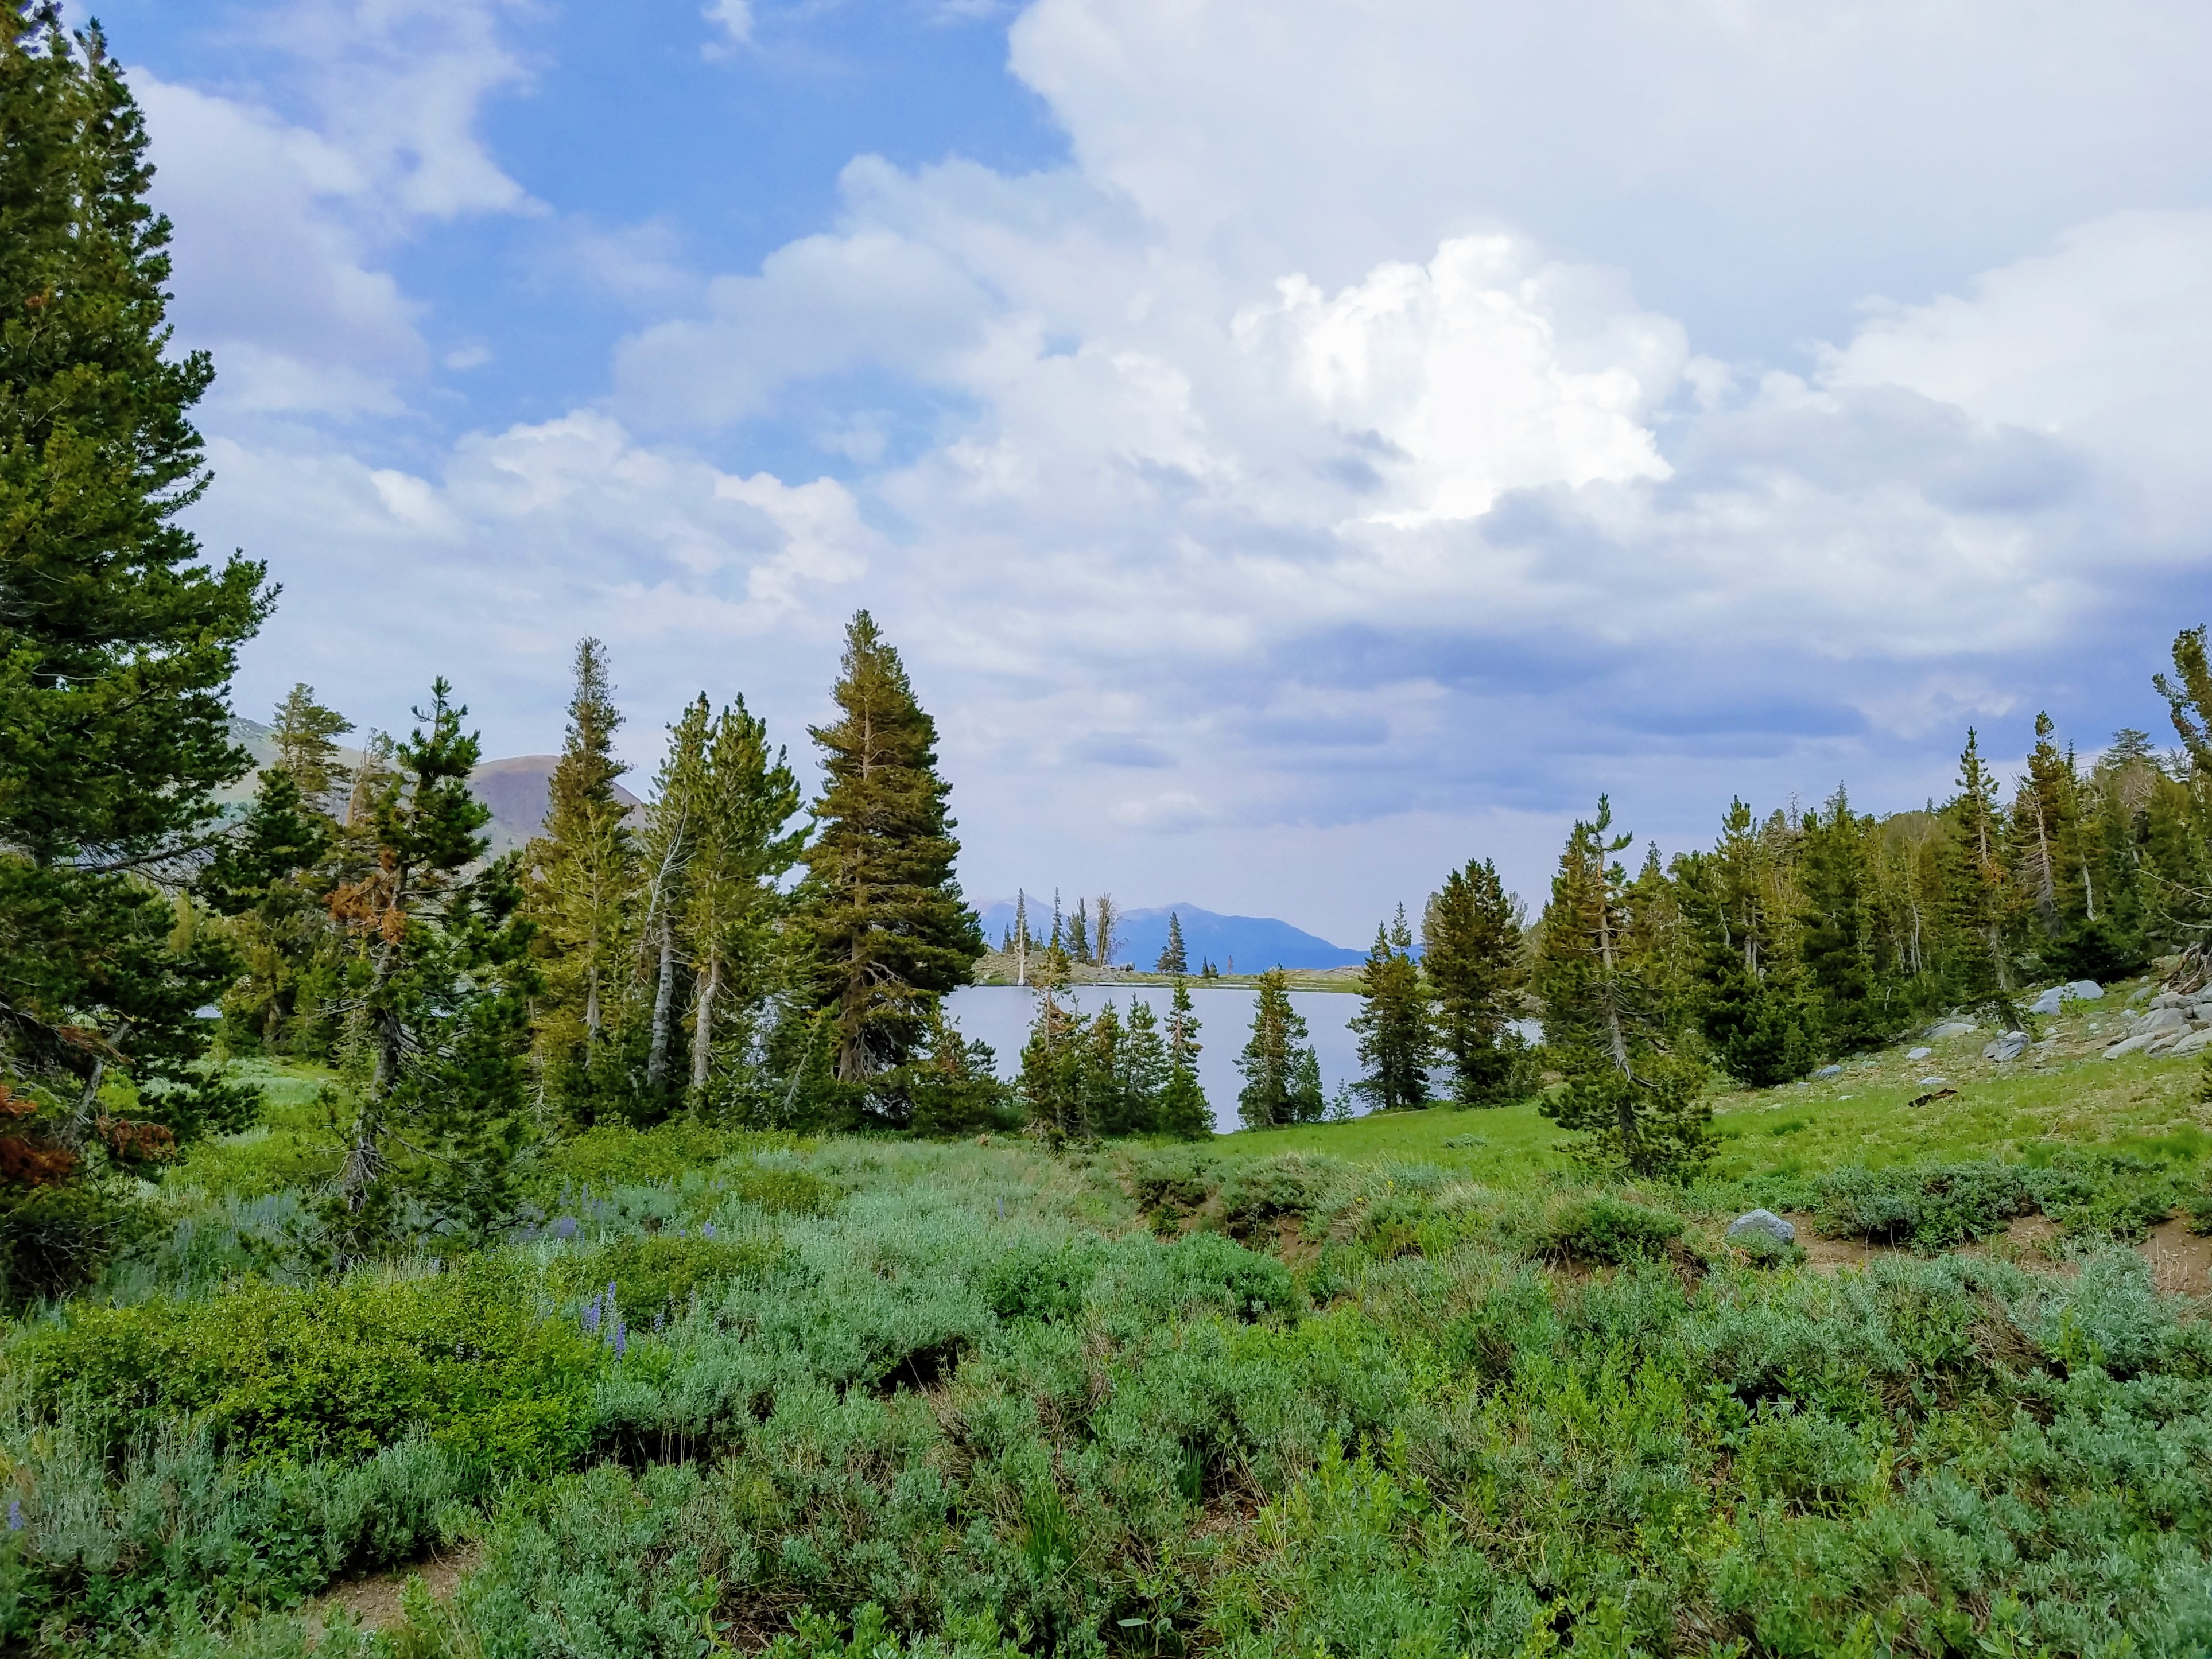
{"x": 1631, "y": 1103}
{"x": 1392, "y": 1023}
{"x": 1174, "y": 959}
{"x": 1282, "y": 1075}
{"x": 890, "y": 930}
{"x": 1472, "y": 954}
{"x": 1184, "y": 1112}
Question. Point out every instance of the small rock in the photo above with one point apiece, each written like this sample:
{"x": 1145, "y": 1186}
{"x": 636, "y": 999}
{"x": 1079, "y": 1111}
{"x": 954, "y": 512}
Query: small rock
{"x": 2138, "y": 994}
{"x": 1919, "y": 1054}
{"x": 2085, "y": 990}
{"x": 1763, "y": 1222}
{"x": 2011, "y": 1046}
{"x": 2161, "y": 1020}
{"x": 2167, "y": 1000}
{"x": 1951, "y": 1028}
{"x": 1829, "y": 1070}
{"x": 2195, "y": 1043}
{"x": 2129, "y": 1046}
{"x": 1933, "y": 1082}
{"x": 2049, "y": 1002}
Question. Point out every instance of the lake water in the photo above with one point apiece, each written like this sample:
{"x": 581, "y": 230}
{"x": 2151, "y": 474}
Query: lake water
{"x": 1000, "y": 1015}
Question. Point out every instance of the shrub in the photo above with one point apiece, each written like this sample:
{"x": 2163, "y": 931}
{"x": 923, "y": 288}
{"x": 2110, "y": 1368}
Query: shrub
{"x": 1930, "y": 1208}
{"x": 1033, "y": 1280}
{"x": 1266, "y": 1189}
{"x": 1607, "y": 1230}
{"x": 651, "y": 1271}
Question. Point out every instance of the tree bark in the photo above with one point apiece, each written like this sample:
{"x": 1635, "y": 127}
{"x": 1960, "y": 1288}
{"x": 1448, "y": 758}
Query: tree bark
{"x": 664, "y": 994}
{"x": 702, "y": 1024}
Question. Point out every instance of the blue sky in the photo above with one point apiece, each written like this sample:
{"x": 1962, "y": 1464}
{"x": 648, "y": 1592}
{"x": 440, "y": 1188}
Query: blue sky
{"x": 1297, "y": 445}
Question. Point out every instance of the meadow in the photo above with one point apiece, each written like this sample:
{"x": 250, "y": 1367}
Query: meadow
{"x": 1409, "y": 1385}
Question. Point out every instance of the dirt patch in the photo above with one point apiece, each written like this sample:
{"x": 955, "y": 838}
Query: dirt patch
{"x": 2180, "y": 1261}
{"x": 1828, "y": 1256}
{"x": 374, "y": 1603}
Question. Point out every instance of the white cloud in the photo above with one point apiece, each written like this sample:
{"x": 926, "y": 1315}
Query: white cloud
{"x": 734, "y": 18}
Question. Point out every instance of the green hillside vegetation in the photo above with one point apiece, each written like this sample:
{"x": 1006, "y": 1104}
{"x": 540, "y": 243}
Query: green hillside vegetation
{"x": 619, "y": 1233}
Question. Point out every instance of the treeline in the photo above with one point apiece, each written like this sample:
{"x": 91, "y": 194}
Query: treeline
{"x": 1798, "y": 938}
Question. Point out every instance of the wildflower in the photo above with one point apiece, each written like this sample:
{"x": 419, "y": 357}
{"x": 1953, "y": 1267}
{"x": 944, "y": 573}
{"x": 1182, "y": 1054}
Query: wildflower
{"x": 707, "y": 1232}
{"x": 565, "y": 1227}
{"x": 15, "y": 1514}
{"x": 621, "y": 1337}
{"x": 656, "y": 1321}
{"x": 592, "y": 1314}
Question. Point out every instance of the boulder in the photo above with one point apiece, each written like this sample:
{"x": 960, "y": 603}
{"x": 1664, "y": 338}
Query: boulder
{"x": 2167, "y": 1000}
{"x": 1933, "y": 1082}
{"x": 2168, "y": 1018}
{"x": 2049, "y": 1002}
{"x": 1951, "y": 1028}
{"x": 1919, "y": 1054}
{"x": 1829, "y": 1070}
{"x": 2195, "y": 1043}
{"x": 2134, "y": 1045}
{"x": 2011, "y": 1046}
{"x": 2085, "y": 990}
{"x": 1762, "y": 1223}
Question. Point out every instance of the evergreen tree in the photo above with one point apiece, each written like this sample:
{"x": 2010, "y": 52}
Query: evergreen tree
{"x": 889, "y": 931}
{"x": 1078, "y": 933}
{"x": 1633, "y": 1104}
{"x": 1173, "y": 960}
{"x": 117, "y": 643}
{"x": 1393, "y": 1023}
{"x": 1975, "y": 894}
{"x": 1472, "y": 954}
{"x": 731, "y": 895}
{"x": 1021, "y": 942}
{"x": 1836, "y": 941}
{"x": 306, "y": 736}
{"x": 1282, "y": 1075}
{"x": 1145, "y": 1069}
{"x": 675, "y": 825}
{"x": 1183, "y": 1111}
{"x": 581, "y": 875}
{"x": 1106, "y": 1103}
{"x": 1052, "y": 1079}
{"x": 955, "y": 1086}
{"x": 439, "y": 987}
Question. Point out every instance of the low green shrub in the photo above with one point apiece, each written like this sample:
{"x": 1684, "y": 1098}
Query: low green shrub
{"x": 659, "y": 1273}
{"x": 1605, "y": 1229}
{"x": 1263, "y": 1190}
{"x": 1033, "y": 1279}
{"x": 1930, "y": 1208}
{"x": 340, "y": 1369}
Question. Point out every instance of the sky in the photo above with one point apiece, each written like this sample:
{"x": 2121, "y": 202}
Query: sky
{"x": 1297, "y": 445}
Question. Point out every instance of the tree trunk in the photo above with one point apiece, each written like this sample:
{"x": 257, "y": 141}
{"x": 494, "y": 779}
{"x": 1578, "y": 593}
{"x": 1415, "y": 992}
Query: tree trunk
{"x": 656, "y": 1056}
{"x": 702, "y": 1024}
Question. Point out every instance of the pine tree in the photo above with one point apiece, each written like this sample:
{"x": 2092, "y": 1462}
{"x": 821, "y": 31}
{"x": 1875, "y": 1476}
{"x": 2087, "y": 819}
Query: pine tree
{"x": 1282, "y": 1075}
{"x": 1173, "y": 960}
{"x": 1633, "y": 1104}
{"x": 1053, "y": 1060}
{"x": 1078, "y": 933}
{"x": 889, "y": 931}
{"x": 306, "y": 736}
{"x": 674, "y": 827}
{"x": 1021, "y": 942}
{"x": 1472, "y": 954}
{"x": 1977, "y": 899}
{"x": 581, "y": 873}
{"x": 955, "y": 1086}
{"x": 117, "y": 643}
{"x": 1105, "y": 1074}
{"x": 732, "y": 896}
{"x": 1838, "y": 968}
{"x": 1392, "y": 1023}
{"x": 1183, "y": 1111}
{"x": 1145, "y": 1070}
{"x": 439, "y": 989}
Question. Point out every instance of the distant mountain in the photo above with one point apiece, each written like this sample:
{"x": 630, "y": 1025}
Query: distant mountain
{"x": 1252, "y": 943}
{"x": 519, "y": 789}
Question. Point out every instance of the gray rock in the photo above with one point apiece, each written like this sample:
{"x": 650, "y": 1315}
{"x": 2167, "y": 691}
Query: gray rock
{"x": 1951, "y": 1028}
{"x": 2134, "y": 1045}
{"x": 1829, "y": 1070}
{"x": 1933, "y": 1082}
{"x": 2168, "y": 1018}
{"x": 2167, "y": 1000}
{"x": 2085, "y": 990}
{"x": 1763, "y": 1222}
{"x": 2138, "y": 994}
{"x": 1919, "y": 1054}
{"x": 2011, "y": 1046}
{"x": 2049, "y": 1002}
{"x": 2195, "y": 1043}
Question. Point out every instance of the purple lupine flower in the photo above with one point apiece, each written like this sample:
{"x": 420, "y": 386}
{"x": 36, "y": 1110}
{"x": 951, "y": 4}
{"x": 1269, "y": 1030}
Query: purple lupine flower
{"x": 621, "y": 1337}
{"x": 15, "y": 1514}
{"x": 656, "y": 1321}
{"x": 707, "y": 1232}
{"x": 565, "y": 1227}
{"x": 591, "y": 1317}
